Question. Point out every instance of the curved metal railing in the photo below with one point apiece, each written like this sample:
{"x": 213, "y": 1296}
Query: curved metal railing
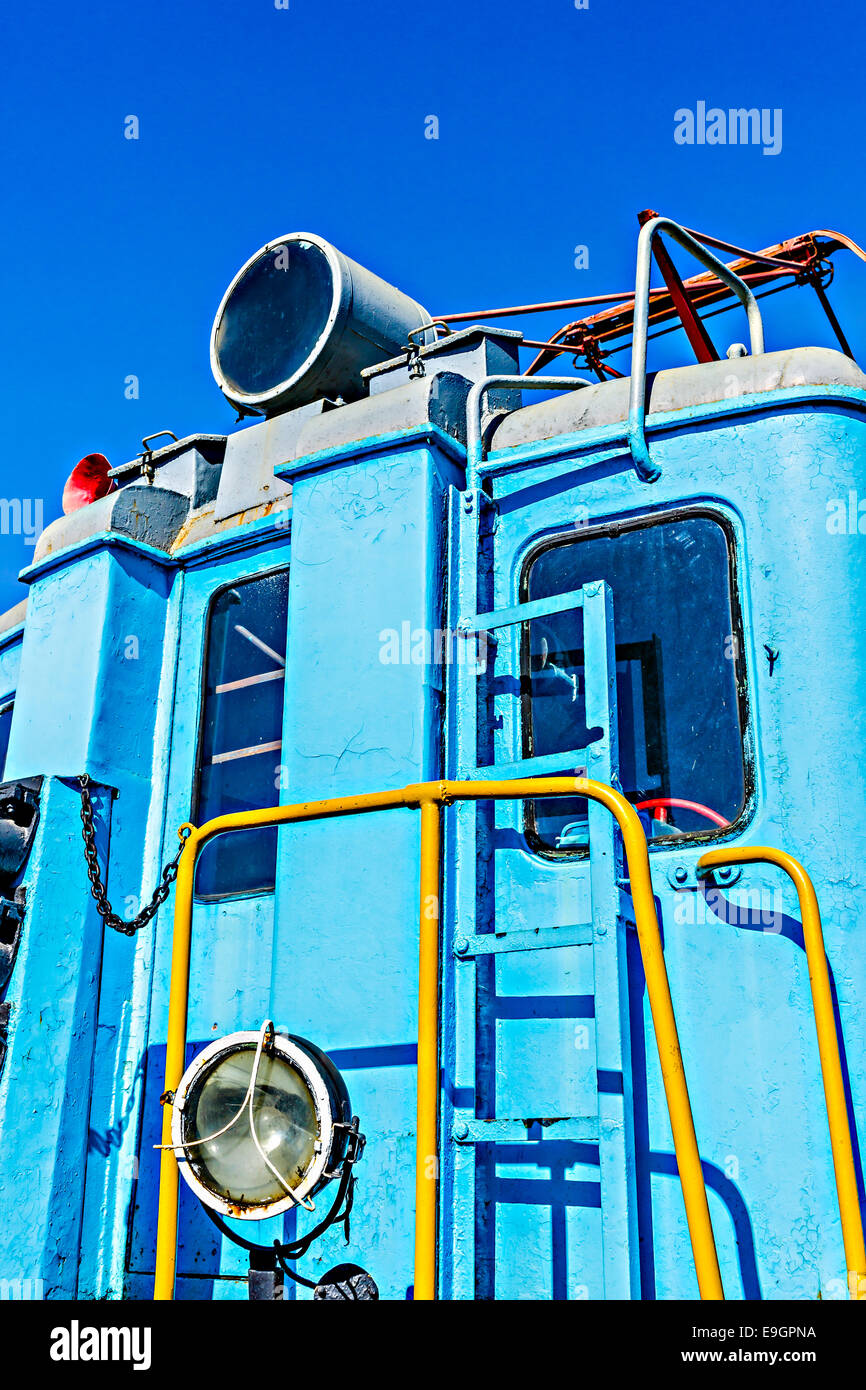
{"x": 841, "y": 1141}
{"x": 429, "y": 798}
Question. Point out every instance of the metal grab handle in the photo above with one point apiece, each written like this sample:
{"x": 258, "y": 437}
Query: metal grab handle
{"x": 473, "y": 409}
{"x": 828, "y": 1046}
{"x": 429, "y": 797}
{"x": 644, "y": 467}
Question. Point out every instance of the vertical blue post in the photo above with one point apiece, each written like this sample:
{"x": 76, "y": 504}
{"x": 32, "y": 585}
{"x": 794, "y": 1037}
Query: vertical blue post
{"x": 615, "y": 1117}
{"x": 45, "y": 1086}
{"x": 461, "y": 907}
{"x": 96, "y": 676}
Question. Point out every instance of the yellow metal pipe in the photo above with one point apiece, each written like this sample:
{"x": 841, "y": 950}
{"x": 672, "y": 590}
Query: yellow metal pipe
{"x": 430, "y": 796}
{"x": 828, "y": 1046}
{"x": 426, "y": 1140}
{"x": 311, "y": 810}
{"x": 658, "y": 990}
{"x": 178, "y": 1003}
{"x": 667, "y": 1040}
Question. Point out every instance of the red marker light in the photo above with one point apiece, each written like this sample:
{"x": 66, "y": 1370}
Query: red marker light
{"x": 87, "y": 482}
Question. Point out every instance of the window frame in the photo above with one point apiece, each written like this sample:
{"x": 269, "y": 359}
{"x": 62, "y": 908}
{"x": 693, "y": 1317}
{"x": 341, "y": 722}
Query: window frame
{"x": 195, "y": 799}
{"x": 614, "y": 527}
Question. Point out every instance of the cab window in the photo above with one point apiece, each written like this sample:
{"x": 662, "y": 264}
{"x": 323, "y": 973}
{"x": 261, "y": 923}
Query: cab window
{"x": 679, "y": 681}
{"x": 240, "y": 740}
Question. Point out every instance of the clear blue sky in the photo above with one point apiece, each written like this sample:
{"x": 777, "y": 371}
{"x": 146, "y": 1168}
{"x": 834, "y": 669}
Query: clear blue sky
{"x": 555, "y": 128}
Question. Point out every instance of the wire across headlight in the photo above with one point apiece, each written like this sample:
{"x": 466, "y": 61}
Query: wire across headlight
{"x": 260, "y": 1123}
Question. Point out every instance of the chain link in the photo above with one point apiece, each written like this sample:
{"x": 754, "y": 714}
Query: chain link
{"x": 103, "y": 906}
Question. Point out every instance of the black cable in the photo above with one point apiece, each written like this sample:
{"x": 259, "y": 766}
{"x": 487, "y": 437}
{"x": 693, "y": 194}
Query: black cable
{"x": 254, "y": 1249}
{"x": 296, "y": 1248}
{"x": 292, "y": 1273}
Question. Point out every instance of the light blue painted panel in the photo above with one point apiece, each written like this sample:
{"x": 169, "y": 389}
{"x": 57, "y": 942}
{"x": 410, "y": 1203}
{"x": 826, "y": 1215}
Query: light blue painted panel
{"x": 547, "y": 1248}
{"x": 545, "y": 1067}
{"x": 362, "y": 714}
{"x": 231, "y": 943}
{"x": 740, "y": 992}
{"x": 45, "y": 1085}
{"x": 560, "y": 971}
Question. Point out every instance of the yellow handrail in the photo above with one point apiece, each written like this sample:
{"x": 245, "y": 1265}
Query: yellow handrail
{"x": 426, "y": 1145}
{"x": 430, "y": 797}
{"x": 828, "y": 1046}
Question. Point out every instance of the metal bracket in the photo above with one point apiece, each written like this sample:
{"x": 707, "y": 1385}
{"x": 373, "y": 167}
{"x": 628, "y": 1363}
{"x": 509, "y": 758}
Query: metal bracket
{"x": 543, "y": 938}
{"x": 355, "y": 1142}
{"x": 582, "y": 1129}
{"x": 144, "y": 462}
{"x": 684, "y": 876}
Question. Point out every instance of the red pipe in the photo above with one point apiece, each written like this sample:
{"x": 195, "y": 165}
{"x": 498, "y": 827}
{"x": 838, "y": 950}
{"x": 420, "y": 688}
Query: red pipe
{"x": 686, "y": 806}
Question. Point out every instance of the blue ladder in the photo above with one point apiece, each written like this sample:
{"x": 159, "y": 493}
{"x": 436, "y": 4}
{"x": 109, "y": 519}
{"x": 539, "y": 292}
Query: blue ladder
{"x": 609, "y": 1126}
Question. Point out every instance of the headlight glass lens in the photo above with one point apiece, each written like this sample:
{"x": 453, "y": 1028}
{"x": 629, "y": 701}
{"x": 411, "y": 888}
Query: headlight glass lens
{"x": 284, "y": 1114}
{"x": 274, "y": 317}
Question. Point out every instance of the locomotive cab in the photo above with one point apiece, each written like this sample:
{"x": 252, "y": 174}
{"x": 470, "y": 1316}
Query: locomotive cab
{"x": 406, "y": 576}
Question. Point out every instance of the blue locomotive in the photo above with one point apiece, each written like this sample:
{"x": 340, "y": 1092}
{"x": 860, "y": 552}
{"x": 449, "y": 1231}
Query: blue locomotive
{"x": 385, "y": 1021}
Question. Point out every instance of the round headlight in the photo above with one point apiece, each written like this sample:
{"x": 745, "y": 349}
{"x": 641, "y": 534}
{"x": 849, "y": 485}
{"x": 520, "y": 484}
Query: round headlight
{"x": 274, "y": 316}
{"x": 300, "y": 322}
{"x": 260, "y": 1122}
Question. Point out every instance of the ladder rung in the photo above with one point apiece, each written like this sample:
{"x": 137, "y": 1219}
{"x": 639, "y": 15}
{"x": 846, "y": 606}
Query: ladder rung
{"x": 490, "y": 943}
{"x": 546, "y": 765}
{"x": 523, "y": 612}
{"x": 580, "y": 1128}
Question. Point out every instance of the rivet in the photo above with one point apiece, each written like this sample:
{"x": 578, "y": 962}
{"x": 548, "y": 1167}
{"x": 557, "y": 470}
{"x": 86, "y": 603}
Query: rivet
{"x": 681, "y": 874}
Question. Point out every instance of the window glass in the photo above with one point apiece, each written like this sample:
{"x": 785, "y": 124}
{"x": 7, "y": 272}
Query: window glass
{"x": 677, "y": 673}
{"x": 5, "y": 730}
{"x": 241, "y": 732}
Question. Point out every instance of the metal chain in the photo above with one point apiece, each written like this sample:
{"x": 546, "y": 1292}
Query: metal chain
{"x": 103, "y": 906}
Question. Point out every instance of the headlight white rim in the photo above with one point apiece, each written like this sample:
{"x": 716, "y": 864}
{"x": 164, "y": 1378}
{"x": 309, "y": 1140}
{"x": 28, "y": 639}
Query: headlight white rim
{"x": 293, "y": 1053}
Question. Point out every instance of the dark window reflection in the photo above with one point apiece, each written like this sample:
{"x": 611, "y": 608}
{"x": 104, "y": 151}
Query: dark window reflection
{"x": 5, "y": 730}
{"x": 241, "y": 738}
{"x": 677, "y": 669}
